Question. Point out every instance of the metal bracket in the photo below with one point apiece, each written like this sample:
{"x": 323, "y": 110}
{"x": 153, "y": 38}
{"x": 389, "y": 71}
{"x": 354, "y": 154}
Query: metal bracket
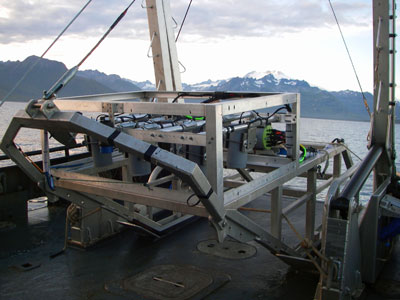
{"x": 151, "y": 44}
{"x": 290, "y": 118}
{"x": 249, "y": 140}
{"x": 390, "y": 206}
{"x": 47, "y": 108}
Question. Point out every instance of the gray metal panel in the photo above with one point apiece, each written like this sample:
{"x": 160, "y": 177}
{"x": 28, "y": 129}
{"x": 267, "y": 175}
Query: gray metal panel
{"x": 276, "y": 212}
{"x": 311, "y": 203}
{"x": 369, "y": 224}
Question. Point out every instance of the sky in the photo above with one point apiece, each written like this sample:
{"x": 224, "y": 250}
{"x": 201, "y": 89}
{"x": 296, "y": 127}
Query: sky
{"x": 220, "y": 39}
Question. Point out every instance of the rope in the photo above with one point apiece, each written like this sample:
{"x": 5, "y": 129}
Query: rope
{"x": 351, "y": 151}
{"x": 351, "y": 60}
{"x": 307, "y": 244}
{"x": 252, "y": 209}
{"x": 341, "y": 142}
{"x": 29, "y": 159}
{"x": 44, "y": 53}
{"x": 72, "y": 217}
{"x": 183, "y": 21}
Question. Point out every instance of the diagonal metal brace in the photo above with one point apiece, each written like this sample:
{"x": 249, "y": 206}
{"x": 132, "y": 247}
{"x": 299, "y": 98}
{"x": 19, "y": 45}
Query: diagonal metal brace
{"x": 187, "y": 170}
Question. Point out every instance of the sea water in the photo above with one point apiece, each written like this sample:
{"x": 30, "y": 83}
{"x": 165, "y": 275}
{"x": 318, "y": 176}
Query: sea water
{"x": 311, "y": 130}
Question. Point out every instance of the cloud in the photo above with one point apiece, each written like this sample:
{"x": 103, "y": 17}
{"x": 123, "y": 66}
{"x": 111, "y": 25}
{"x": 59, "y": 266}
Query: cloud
{"x": 267, "y": 18}
{"x": 36, "y": 19}
{"x": 25, "y": 20}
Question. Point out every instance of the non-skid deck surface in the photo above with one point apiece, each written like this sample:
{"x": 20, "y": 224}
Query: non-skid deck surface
{"x": 131, "y": 267}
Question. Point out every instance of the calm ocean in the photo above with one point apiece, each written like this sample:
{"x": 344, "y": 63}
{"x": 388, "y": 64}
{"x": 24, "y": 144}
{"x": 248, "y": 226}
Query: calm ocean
{"x": 315, "y": 130}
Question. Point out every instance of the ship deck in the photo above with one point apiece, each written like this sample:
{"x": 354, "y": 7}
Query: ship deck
{"x": 129, "y": 266}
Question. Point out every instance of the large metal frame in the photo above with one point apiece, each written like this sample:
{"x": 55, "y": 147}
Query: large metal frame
{"x": 345, "y": 249}
{"x": 221, "y": 195}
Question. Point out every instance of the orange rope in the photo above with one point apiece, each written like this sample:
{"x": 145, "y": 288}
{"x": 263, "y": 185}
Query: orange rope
{"x": 29, "y": 159}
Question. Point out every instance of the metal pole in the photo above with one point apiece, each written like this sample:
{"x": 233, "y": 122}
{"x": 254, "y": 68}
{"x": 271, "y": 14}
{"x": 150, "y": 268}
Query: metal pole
{"x": 357, "y": 181}
{"x": 44, "y": 135}
{"x": 393, "y": 83}
{"x": 381, "y": 132}
{"x": 165, "y": 58}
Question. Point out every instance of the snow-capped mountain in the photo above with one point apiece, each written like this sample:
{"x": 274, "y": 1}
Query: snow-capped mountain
{"x": 253, "y": 81}
{"x": 258, "y": 75}
{"x": 315, "y": 102}
{"x": 144, "y": 85}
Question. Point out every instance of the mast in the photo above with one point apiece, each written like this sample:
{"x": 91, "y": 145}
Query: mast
{"x": 165, "y": 57}
{"x": 383, "y": 119}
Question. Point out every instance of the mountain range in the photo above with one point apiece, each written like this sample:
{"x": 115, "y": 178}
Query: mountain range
{"x": 315, "y": 102}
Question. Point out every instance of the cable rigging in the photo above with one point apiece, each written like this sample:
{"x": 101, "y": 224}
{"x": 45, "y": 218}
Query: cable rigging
{"x": 351, "y": 60}
{"x": 71, "y": 72}
{"x": 44, "y": 53}
{"x": 183, "y": 21}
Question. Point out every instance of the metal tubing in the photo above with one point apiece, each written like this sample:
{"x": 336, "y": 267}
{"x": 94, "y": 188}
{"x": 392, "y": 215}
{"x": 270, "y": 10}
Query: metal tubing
{"x": 243, "y": 126}
{"x": 276, "y": 214}
{"x": 311, "y": 203}
{"x": 153, "y": 176}
{"x": 234, "y": 117}
{"x": 37, "y": 152}
{"x": 185, "y": 127}
{"x": 393, "y": 83}
{"x": 355, "y": 184}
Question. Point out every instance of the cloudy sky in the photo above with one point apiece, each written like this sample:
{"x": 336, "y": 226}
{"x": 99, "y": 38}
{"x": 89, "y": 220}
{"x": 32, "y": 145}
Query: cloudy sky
{"x": 220, "y": 39}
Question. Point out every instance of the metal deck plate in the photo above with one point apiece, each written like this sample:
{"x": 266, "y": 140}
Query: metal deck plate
{"x": 164, "y": 282}
{"x": 5, "y": 225}
{"x": 227, "y": 249}
{"x": 388, "y": 288}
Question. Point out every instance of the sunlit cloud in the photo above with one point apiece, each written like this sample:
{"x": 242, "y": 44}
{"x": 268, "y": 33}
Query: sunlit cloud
{"x": 34, "y": 19}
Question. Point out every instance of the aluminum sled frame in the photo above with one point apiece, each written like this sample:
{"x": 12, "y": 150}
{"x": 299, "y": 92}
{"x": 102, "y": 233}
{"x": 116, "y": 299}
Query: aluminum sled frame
{"x": 220, "y": 196}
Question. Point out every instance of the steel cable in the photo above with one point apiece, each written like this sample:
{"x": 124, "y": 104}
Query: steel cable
{"x": 44, "y": 53}
{"x": 183, "y": 21}
{"x": 67, "y": 77}
{"x": 351, "y": 60}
